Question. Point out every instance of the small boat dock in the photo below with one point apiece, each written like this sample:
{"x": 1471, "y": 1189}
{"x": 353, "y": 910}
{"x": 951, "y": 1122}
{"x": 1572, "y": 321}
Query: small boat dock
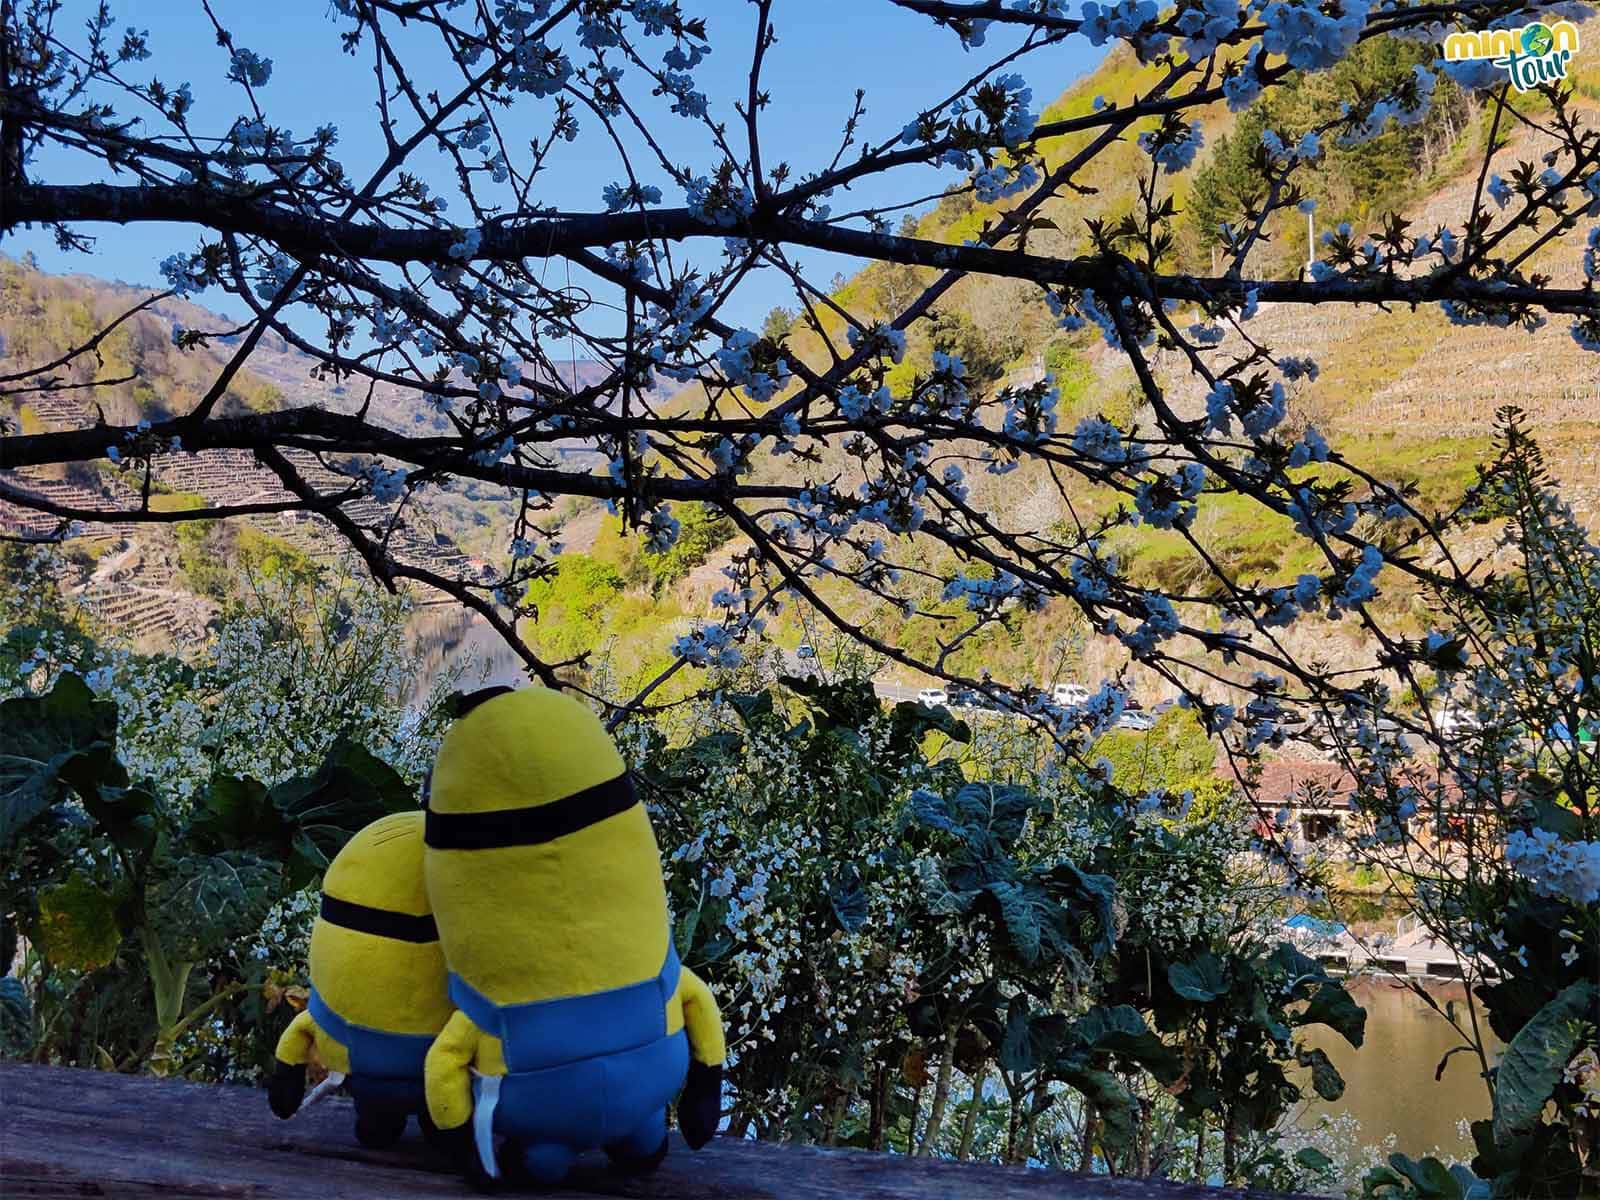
{"x": 1411, "y": 952}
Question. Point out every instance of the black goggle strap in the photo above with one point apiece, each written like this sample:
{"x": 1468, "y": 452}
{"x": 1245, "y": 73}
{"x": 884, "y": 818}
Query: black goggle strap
{"x": 531, "y": 826}
{"x": 380, "y": 922}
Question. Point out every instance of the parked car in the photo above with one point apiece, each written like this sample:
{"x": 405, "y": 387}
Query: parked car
{"x": 1456, "y": 719}
{"x": 933, "y": 697}
{"x": 1139, "y": 722}
{"x": 806, "y": 651}
{"x": 1066, "y": 694}
{"x": 965, "y": 698}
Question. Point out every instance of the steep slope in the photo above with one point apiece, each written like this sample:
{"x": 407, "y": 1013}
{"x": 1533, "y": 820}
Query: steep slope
{"x": 1402, "y": 392}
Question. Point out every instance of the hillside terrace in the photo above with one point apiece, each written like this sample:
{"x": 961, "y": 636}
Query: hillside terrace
{"x": 145, "y": 597}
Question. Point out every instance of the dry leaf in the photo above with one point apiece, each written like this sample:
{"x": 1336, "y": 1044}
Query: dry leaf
{"x": 915, "y": 1069}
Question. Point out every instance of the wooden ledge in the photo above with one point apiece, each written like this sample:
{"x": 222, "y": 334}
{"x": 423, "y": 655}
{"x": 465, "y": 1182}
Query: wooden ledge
{"x": 75, "y": 1133}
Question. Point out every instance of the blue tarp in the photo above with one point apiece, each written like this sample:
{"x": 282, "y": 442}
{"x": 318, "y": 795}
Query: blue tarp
{"x": 1312, "y": 924}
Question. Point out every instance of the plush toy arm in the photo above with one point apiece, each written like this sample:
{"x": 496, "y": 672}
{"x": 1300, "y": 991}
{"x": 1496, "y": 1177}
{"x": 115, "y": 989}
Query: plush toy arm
{"x": 702, "y": 1020}
{"x": 288, "y": 1085}
{"x": 294, "y": 1047}
{"x": 700, "y": 1105}
{"x": 446, "y": 1075}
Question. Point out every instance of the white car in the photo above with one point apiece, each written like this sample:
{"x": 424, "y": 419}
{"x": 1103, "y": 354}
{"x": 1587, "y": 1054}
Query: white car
{"x": 1066, "y": 694}
{"x": 1140, "y": 722}
{"x": 1458, "y": 720}
{"x": 933, "y": 697}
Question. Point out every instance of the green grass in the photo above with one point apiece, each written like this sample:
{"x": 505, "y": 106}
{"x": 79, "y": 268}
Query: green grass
{"x": 1443, "y": 467}
{"x": 1254, "y": 544}
{"x": 163, "y": 501}
{"x": 1247, "y": 540}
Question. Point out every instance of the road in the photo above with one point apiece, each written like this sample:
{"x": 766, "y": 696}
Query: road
{"x": 890, "y": 693}
{"x": 1310, "y": 734}
{"x": 894, "y": 692}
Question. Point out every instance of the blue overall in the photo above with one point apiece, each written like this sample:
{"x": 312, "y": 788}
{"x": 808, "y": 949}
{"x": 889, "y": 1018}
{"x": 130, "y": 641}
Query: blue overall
{"x": 385, "y": 1068}
{"x": 583, "y": 1072}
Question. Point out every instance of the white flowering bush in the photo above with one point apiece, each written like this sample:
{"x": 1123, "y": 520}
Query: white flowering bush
{"x": 293, "y": 665}
{"x": 165, "y": 818}
{"x": 947, "y": 944}
{"x": 791, "y": 885}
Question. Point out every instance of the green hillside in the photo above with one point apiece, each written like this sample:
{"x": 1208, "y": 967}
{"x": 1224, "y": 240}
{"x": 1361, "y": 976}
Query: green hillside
{"x": 1403, "y": 393}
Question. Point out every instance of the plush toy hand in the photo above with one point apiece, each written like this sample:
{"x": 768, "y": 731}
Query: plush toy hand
{"x": 287, "y": 1089}
{"x": 700, "y": 1106}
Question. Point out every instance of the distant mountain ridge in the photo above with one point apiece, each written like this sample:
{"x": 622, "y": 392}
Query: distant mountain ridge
{"x": 40, "y": 313}
{"x": 42, "y": 316}
{"x": 133, "y": 580}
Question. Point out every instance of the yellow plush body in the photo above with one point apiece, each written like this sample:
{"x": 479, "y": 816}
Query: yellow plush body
{"x": 545, "y": 880}
{"x": 378, "y": 979}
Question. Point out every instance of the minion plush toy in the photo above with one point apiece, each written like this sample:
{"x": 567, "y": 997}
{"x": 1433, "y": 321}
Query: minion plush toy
{"x": 576, "y": 1026}
{"x": 378, "y": 994}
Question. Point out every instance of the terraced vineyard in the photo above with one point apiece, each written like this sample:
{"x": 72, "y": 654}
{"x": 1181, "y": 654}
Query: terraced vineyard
{"x": 134, "y": 587}
{"x": 1419, "y": 393}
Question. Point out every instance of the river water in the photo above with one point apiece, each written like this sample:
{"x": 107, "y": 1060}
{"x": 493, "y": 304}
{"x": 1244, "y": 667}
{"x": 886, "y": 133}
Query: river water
{"x": 445, "y": 637}
{"x": 1389, "y": 1084}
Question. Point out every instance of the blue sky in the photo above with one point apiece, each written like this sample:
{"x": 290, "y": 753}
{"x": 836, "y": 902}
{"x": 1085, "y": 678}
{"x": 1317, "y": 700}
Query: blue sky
{"x": 826, "y": 49}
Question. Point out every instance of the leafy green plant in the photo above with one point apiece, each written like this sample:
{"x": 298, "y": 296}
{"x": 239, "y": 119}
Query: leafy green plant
{"x": 1176, "y": 755}
{"x": 1030, "y": 930}
{"x": 16, "y": 1018}
{"x": 571, "y": 602}
{"x": 784, "y": 812}
{"x": 1424, "y": 1179}
{"x": 104, "y": 868}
